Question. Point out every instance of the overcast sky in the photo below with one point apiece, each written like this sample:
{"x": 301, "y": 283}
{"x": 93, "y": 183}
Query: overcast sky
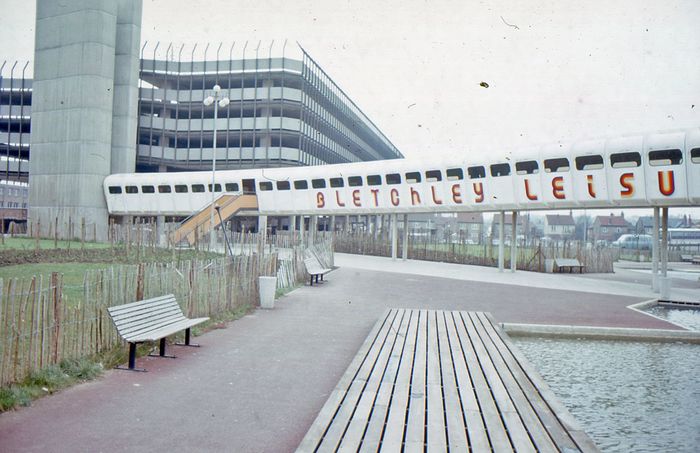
{"x": 556, "y": 70}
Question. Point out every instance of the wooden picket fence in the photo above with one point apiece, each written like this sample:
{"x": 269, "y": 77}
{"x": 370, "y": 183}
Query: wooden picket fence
{"x": 43, "y": 321}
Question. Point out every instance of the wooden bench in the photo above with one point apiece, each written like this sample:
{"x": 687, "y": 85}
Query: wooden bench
{"x": 571, "y": 263}
{"x": 314, "y": 269}
{"x": 427, "y": 380}
{"x": 151, "y": 320}
{"x": 696, "y": 259}
{"x": 686, "y": 258}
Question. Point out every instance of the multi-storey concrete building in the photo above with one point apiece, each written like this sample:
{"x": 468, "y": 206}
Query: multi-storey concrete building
{"x": 283, "y": 111}
{"x": 15, "y": 114}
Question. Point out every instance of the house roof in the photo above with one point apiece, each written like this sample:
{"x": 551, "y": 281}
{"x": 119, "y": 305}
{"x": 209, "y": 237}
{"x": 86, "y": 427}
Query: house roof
{"x": 611, "y": 220}
{"x": 646, "y": 221}
{"x": 557, "y": 219}
{"x": 673, "y": 222}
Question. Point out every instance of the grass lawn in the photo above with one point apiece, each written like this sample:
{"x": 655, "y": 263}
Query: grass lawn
{"x": 18, "y": 243}
{"x": 72, "y": 272}
{"x": 20, "y": 259}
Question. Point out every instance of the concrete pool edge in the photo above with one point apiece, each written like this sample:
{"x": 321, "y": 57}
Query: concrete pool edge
{"x": 601, "y": 333}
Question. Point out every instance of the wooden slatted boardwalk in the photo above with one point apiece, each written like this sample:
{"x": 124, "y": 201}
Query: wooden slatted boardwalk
{"x": 427, "y": 380}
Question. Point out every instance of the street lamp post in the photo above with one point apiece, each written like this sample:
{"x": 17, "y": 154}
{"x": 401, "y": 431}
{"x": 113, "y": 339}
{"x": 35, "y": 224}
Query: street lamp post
{"x": 223, "y": 102}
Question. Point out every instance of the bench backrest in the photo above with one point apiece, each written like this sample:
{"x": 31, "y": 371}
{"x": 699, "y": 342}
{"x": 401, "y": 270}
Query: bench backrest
{"x": 313, "y": 266}
{"x": 145, "y": 316}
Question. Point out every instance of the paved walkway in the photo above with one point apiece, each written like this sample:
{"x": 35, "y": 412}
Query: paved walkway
{"x": 257, "y": 385}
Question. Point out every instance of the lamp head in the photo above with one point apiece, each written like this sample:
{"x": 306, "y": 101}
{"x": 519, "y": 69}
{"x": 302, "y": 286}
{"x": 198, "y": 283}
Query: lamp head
{"x": 216, "y": 88}
{"x": 224, "y": 102}
{"x": 209, "y": 101}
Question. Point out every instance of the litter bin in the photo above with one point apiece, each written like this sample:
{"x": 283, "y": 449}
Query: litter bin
{"x": 268, "y": 286}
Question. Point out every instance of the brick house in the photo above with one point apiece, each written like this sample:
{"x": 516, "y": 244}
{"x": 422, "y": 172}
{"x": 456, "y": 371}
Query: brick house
{"x": 609, "y": 228}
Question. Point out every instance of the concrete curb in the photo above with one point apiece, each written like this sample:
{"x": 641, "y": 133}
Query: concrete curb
{"x": 601, "y": 333}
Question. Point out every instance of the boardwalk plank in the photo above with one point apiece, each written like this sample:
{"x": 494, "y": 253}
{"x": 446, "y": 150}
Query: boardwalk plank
{"x": 435, "y": 423}
{"x": 315, "y": 434}
{"x": 392, "y": 439}
{"x": 476, "y": 426}
{"x": 456, "y": 429}
{"x": 415, "y": 422}
{"x": 582, "y": 440}
{"x": 549, "y": 423}
{"x": 537, "y": 432}
{"x": 441, "y": 381}
{"x": 360, "y": 419}
{"x": 333, "y": 437}
{"x": 514, "y": 426}
{"x": 490, "y": 413}
{"x": 375, "y": 426}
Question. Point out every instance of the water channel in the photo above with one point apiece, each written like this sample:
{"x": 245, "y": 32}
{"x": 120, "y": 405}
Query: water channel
{"x": 628, "y": 396}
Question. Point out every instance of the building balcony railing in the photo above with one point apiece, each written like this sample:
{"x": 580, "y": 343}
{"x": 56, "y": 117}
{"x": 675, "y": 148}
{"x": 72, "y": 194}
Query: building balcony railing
{"x": 16, "y": 112}
{"x": 184, "y": 155}
{"x": 174, "y": 96}
{"x": 221, "y": 67}
{"x": 195, "y": 126}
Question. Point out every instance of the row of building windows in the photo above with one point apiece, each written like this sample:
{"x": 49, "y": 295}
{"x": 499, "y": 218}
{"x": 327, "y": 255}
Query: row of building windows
{"x": 12, "y": 191}
{"x": 555, "y": 165}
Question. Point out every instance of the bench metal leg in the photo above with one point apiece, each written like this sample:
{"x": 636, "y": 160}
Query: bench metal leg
{"x": 132, "y": 360}
{"x": 316, "y": 278}
{"x": 312, "y": 280}
{"x": 187, "y": 340}
{"x": 161, "y": 351}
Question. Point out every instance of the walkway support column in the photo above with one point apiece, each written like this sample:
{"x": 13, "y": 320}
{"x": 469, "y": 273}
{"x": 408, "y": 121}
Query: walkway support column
{"x": 501, "y": 238}
{"x": 313, "y": 229}
{"x": 394, "y": 236}
{"x": 665, "y": 283}
{"x": 302, "y": 230}
{"x": 404, "y": 251}
{"x": 514, "y": 242}
{"x": 262, "y": 231}
{"x": 655, "y": 252}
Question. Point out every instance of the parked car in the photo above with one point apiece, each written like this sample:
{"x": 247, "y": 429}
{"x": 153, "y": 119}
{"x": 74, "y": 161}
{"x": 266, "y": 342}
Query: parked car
{"x": 634, "y": 241}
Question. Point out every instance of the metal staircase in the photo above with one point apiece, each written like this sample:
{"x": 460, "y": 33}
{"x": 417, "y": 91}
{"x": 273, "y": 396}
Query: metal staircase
{"x": 199, "y": 224}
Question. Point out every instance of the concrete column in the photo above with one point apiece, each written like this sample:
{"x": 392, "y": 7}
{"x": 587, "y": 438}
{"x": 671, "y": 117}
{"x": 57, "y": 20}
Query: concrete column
{"x": 501, "y": 240}
{"x": 514, "y": 242}
{"x": 74, "y": 103}
{"x": 302, "y": 230}
{"x": 394, "y": 236}
{"x": 160, "y": 231}
{"x": 665, "y": 283}
{"x": 332, "y": 224}
{"x": 262, "y": 224}
{"x": 313, "y": 229}
{"x": 404, "y": 252}
{"x": 262, "y": 231}
{"x": 655, "y": 253}
{"x": 292, "y": 223}
{"x": 126, "y": 86}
